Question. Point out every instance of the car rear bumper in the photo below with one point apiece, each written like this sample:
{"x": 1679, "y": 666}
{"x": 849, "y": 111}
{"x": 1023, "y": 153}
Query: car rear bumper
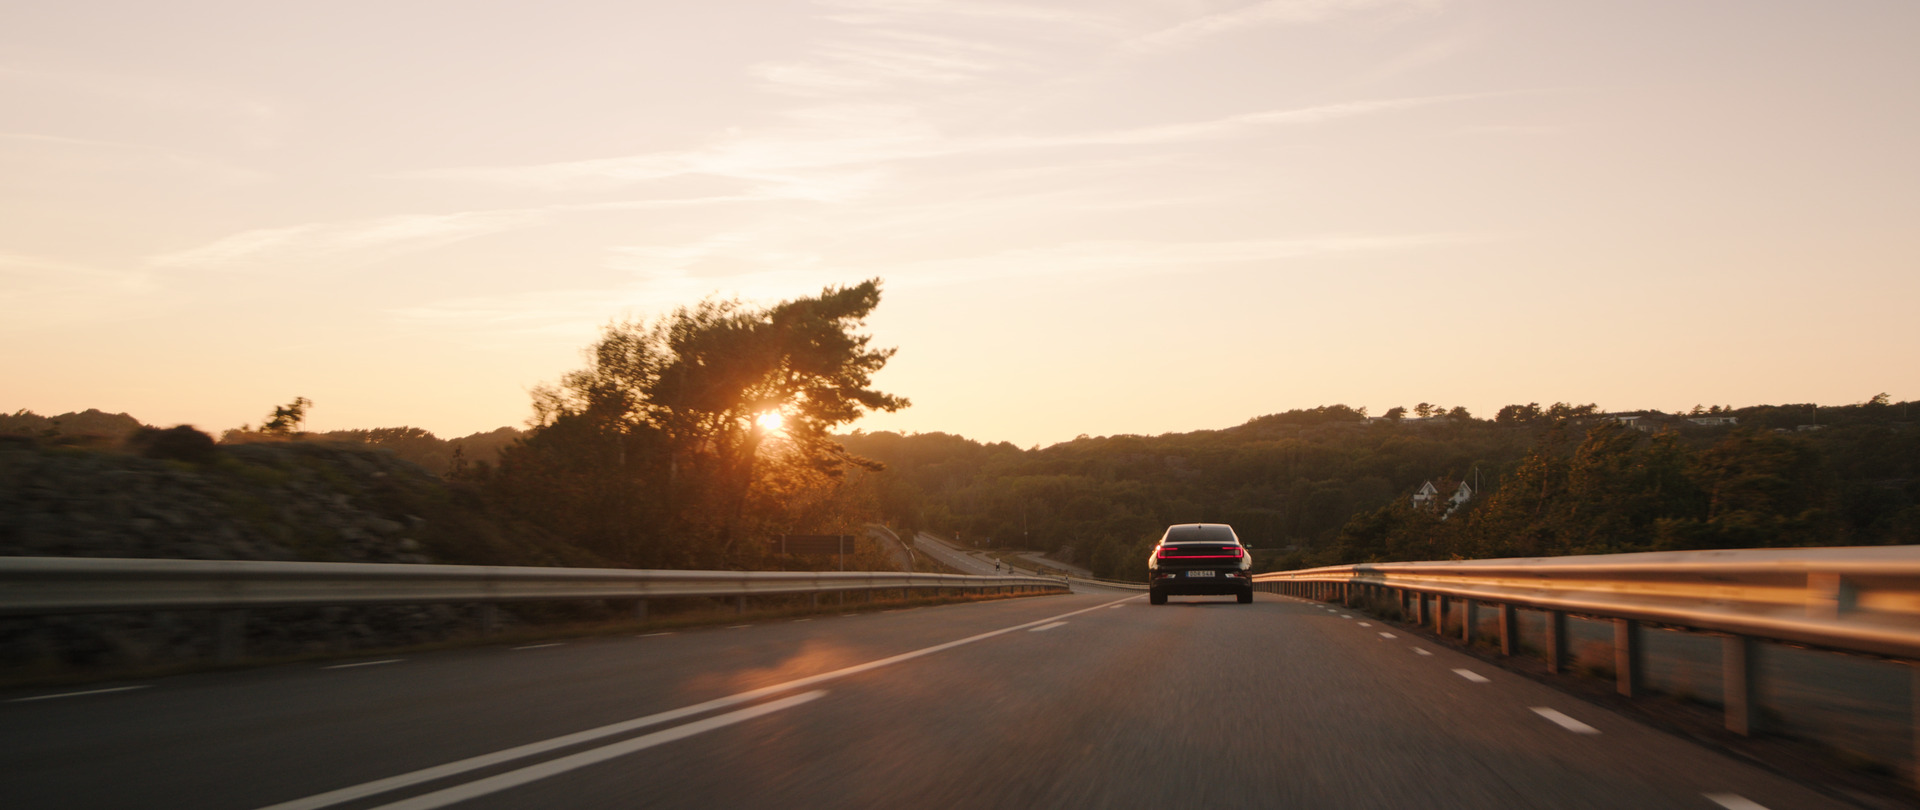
{"x": 1222, "y": 583}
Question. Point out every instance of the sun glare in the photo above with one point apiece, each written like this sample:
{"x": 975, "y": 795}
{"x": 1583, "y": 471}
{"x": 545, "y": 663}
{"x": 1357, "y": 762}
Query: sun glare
{"x": 770, "y": 421}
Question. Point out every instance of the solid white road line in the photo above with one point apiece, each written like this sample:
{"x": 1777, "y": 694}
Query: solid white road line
{"x": 539, "y": 646}
{"x": 365, "y": 663}
{"x": 1471, "y": 675}
{"x": 77, "y": 694}
{"x": 651, "y": 635}
{"x": 1116, "y": 607}
{"x": 1564, "y": 721}
{"x": 1045, "y": 627}
{"x": 1734, "y": 801}
{"x": 378, "y": 786}
{"x": 1388, "y": 635}
{"x": 1421, "y": 651}
{"x": 533, "y": 773}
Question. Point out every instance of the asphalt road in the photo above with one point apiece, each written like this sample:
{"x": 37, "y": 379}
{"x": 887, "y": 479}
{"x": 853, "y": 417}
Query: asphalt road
{"x": 1061, "y": 701}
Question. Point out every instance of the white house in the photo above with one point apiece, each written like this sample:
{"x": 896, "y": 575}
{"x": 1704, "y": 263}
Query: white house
{"x": 1428, "y": 492}
{"x": 1714, "y": 421}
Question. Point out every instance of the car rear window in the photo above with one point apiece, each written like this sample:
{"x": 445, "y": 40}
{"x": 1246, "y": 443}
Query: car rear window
{"x": 1200, "y": 533}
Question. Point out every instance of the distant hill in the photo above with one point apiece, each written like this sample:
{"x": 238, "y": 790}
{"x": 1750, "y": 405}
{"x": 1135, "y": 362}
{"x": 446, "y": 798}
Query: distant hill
{"x": 87, "y": 423}
{"x": 1329, "y": 484}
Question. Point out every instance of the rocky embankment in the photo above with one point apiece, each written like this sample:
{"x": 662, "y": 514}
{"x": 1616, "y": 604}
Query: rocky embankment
{"x": 278, "y": 501}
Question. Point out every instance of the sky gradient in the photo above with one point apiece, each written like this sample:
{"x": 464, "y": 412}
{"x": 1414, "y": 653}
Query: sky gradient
{"x": 1097, "y": 217}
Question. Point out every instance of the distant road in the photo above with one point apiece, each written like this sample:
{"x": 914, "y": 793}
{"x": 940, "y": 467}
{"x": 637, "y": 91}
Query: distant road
{"x": 953, "y": 556}
{"x": 974, "y": 562}
{"x": 1070, "y": 701}
{"x": 902, "y": 557}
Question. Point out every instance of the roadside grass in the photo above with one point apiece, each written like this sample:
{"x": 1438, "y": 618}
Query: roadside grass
{"x": 686, "y": 613}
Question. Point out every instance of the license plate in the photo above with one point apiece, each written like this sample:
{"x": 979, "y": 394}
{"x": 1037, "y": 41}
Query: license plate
{"x": 1199, "y": 573}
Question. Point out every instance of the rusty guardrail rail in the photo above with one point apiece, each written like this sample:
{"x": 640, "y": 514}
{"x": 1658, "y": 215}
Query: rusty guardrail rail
{"x": 1861, "y": 600}
{"x": 42, "y": 586}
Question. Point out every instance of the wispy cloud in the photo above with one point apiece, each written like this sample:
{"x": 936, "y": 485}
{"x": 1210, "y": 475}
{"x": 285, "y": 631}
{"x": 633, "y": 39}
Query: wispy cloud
{"x": 120, "y": 156}
{"x": 662, "y": 278}
{"x": 1273, "y": 12}
{"x": 365, "y": 240}
{"x": 36, "y": 291}
{"x": 884, "y": 59}
{"x": 1108, "y": 259}
{"x": 829, "y": 137}
{"x": 372, "y": 238}
{"x": 867, "y": 12}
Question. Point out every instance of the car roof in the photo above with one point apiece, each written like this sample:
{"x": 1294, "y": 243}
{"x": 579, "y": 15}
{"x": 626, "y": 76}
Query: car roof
{"x": 1200, "y": 533}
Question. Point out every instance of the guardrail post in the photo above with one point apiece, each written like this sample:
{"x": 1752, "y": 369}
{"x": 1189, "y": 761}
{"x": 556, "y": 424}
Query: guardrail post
{"x": 740, "y": 603}
{"x": 1419, "y": 609}
{"x": 229, "y": 635}
{"x": 489, "y": 616}
{"x": 1556, "y": 641}
{"x": 1467, "y": 608}
{"x": 1627, "y": 657}
{"x": 1439, "y": 614}
{"x": 1915, "y": 669}
{"x": 640, "y": 609}
{"x": 813, "y": 599}
{"x": 1509, "y": 629}
{"x": 1736, "y": 665}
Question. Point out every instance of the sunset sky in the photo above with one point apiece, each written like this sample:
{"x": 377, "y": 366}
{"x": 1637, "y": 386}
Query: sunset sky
{"x": 1124, "y": 216}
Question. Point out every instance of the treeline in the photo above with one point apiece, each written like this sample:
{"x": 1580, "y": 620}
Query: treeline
{"x": 448, "y": 457}
{"x": 1599, "y": 486}
{"x": 1328, "y": 484}
{"x": 691, "y": 440}
{"x": 98, "y": 429}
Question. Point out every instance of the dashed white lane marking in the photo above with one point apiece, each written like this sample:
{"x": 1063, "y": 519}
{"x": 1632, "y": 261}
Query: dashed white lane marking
{"x": 1366, "y": 624}
{"x": 1346, "y": 615}
{"x": 1046, "y": 627}
{"x": 803, "y": 620}
{"x": 378, "y": 786}
{"x": 1388, "y": 635}
{"x": 78, "y": 694}
{"x": 1421, "y": 651}
{"x": 366, "y": 663}
{"x": 1734, "y": 801}
{"x": 539, "y": 646}
{"x": 1564, "y": 721}
{"x": 1471, "y": 675}
{"x": 651, "y": 635}
{"x": 534, "y": 773}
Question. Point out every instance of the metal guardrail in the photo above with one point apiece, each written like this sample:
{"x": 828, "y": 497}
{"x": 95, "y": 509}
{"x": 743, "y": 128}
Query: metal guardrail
{"x": 1110, "y": 583}
{"x": 1862, "y": 600}
{"x": 57, "y": 585}
{"x": 42, "y": 586}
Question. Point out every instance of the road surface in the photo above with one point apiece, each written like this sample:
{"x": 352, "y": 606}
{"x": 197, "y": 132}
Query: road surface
{"x": 1064, "y": 701}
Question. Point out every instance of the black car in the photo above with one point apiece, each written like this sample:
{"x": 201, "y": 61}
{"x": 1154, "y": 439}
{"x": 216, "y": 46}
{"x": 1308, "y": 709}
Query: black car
{"x": 1199, "y": 559}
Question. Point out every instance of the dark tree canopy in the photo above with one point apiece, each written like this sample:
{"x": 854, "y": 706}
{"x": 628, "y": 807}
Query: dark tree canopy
{"x": 679, "y": 422}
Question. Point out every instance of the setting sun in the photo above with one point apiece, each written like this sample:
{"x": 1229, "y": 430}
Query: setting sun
{"x": 770, "y": 421}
